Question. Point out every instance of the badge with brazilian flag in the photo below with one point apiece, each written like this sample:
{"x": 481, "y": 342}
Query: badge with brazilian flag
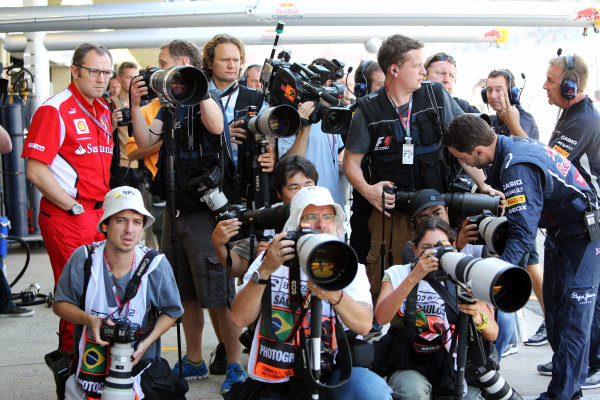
{"x": 282, "y": 322}
{"x": 94, "y": 360}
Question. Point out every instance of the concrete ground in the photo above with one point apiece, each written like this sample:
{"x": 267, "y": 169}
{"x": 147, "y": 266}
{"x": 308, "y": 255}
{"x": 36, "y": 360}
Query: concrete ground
{"x": 24, "y": 341}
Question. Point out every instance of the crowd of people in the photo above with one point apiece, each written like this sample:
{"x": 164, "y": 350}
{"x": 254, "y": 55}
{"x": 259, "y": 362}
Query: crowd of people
{"x": 119, "y": 169}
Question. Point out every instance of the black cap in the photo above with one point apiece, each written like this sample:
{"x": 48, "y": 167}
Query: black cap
{"x": 423, "y": 199}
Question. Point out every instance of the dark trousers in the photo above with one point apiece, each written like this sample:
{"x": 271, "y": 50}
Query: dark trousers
{"x": 6, "y": 302}
{"x": 571, "y": 278}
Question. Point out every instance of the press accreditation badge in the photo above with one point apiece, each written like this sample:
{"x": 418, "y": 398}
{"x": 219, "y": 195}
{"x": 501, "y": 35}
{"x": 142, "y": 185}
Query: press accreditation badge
{"x": 408, "y": 153}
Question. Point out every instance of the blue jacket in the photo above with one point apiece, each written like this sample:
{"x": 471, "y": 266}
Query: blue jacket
{"x": 542, "y": 188}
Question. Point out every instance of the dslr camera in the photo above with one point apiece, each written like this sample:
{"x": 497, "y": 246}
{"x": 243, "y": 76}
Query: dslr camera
{"x": 120, "y": 332}
{"x": 206, "y": 187}
{"x": 180, "y": 85}
{"x": 126, "y": 113}
{"x": 265, "y": 218}
{"x": 492, "y": 231}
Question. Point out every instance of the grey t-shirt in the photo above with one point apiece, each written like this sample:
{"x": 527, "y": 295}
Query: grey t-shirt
{"x": 162, "y": 293}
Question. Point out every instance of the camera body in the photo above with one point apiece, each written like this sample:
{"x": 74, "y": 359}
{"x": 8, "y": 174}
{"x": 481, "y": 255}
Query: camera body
{"x": 126, "y": 113}
{"x": 120, "y": 332}
{"x": 206, "y": 187}
{"x": 265, "y": 218}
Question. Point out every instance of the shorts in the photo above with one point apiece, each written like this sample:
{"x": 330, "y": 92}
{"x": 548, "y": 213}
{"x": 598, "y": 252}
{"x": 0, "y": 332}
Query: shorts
{"x": 531, "y": 258}
{"x": 199, "y": 275}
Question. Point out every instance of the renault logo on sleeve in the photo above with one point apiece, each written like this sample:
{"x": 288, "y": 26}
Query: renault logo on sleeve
{"x": 81, "y": 126}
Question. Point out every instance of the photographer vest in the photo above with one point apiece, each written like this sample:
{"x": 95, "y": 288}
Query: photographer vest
{"x": 565, "y": 190}
{"x": 387, "y": 136}
{"x": 196, "y": 150}
{"x": 93, "y": 360}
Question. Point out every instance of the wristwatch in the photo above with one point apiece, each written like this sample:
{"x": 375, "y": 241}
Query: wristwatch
{"x": 76, "y": 209}
{"x": 256, "y": 278}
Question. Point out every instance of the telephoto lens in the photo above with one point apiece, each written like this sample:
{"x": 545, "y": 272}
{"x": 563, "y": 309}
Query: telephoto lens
{"x": 118, "y": 385}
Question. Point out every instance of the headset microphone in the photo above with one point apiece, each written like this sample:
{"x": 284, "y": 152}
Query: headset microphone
{"x": 348, "y": 87}
{"x": 522, "y": 87}
{"x": 559, "y": 52}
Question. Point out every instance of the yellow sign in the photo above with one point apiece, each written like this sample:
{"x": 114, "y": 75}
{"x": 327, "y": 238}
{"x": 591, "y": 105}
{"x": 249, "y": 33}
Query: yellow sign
{"x": 515, "y": 200}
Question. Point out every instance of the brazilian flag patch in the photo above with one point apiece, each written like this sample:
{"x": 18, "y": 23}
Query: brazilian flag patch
{"x": 94, "y": 359}
{"x": 282, "y": 321}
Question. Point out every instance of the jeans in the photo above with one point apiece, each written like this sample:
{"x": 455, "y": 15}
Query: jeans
{"x": 506, "y": 331}
{"x": 363, "y": 385}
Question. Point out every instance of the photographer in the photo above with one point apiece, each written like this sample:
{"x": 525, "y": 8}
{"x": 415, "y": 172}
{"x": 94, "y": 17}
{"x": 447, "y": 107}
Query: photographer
{"x": 421, "y": 365}
{"x": 399, "y": 128}
{"x": 322, "y": 149}
{"x": 223, "y": 56}
{"x": 549, "y": 192}
{"x": 270, "y": 377}
{"x": 291, "y": 174}
{"x": 441, "y": 67}
{"x": 83, "y": 297}
{"x": 199, "y": 146}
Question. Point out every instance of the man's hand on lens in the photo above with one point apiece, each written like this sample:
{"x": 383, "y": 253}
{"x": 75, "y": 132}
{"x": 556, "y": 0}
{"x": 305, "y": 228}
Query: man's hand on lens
{"x": 306, "y": 108}
{"x": 137, "y": 89}
{"x": 237, "y": 132}
{"x": 267, "y": 161}
{"x": 225, "y": 230}
{"x": 278, "y": 253}
{"x": 468, "y": 233}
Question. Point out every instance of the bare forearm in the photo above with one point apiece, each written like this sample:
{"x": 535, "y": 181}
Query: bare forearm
{"x": 299, "y": 146}
{"x": 71, "y": 313}
{"x": 246, "y": 305}
{"x": 142, "y": 132}
{"x": 390, "y": 299}
{"x": 143, "y": 153}
{"x": 163, "y": 324}
{"x": 358, "y": 317}
{"x": 39, "y": 174}
{"x": 211, "y": 116}
{"x": 5, "y": 142}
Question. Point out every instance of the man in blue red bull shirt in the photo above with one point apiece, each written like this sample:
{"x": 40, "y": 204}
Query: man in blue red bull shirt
{"x": 544, "y": 189}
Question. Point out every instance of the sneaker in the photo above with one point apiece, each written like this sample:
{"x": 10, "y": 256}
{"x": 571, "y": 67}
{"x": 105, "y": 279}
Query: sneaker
{"x": 191, "y": 370}
{"x": 218, "y": 360}
{"x": 17, "y": 311}
{"x": 593, "y": 379}
{"x": 511, "y": 348}
{"x": 539, "y": 338}
{"x": 545, "y": 369}
{"x": 235, "y": 374}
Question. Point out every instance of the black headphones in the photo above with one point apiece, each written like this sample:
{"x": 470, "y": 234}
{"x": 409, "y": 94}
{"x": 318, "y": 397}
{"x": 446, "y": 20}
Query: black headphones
{"x": 244, "y": 78}
{"x": 515, "y": 92}
{"x": 339, "y": 68}
{"x": 361, "y": 82}
{"x": 569, "y": 87}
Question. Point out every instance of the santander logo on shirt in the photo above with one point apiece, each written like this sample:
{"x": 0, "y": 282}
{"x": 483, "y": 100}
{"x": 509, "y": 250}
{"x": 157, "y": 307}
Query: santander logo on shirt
{"x": 94, "y": 149}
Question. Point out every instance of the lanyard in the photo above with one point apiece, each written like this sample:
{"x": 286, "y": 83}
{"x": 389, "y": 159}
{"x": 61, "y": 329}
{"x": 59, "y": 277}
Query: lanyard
{"x": 332, "y": 147}
{"x": 114, "y": 286}
{"x": 407, "y": 124}
{"x": 228, "y": 93}
{"x": 103, "y": 125}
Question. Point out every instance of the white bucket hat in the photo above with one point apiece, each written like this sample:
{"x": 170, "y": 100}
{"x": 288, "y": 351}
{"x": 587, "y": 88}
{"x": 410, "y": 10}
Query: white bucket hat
{"x": 124, "y": 198}
{"x": 317, "y": 196}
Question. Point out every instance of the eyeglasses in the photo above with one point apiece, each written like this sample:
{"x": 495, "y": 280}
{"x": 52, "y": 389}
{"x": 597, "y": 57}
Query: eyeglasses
{"x": 96, "y": 72}
{"x": 440, "y": 57}
{"x": 314, "y": 218}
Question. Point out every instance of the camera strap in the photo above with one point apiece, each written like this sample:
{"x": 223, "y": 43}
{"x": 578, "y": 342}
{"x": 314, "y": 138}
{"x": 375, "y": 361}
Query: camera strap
{"x": 295, "y": 300}
{"x": 445, "y": 293}
{"x": 136, "y": 279}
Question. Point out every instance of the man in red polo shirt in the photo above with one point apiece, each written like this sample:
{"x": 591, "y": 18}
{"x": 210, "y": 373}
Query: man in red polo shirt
{"x": 69, "y": 149}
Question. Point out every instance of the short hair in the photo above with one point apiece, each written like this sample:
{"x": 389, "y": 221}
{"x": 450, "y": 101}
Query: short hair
{"x": 289, "y": 166}
{"x": 579, "y": 74}
{"x": 184, "y": 48}
{"x": 331, "y": 67}
{"x": 126, "y": 65}
{"x": 506, "y": 73}
{"x": 84, "y": 48}
{"x": 432, "y": 224}
{"x": 363, "y": 73}
{"x": 467, "y": 131}
{"x": 208, "y": 51}
{"x": 441, "y": 56}
{"x": 393, "y": 50}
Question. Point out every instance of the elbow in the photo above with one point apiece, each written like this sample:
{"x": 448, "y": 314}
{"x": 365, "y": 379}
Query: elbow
{"x": 237, "y": 318}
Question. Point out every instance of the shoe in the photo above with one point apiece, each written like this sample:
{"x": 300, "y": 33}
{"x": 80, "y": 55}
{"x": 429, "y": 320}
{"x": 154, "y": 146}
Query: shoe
{"x": 218, "y": 360}
{"x": 235, "y": 374}
{"x": 593, "y": 379}
{"x": 539, "y": 338}
{"x": 17, "y": 311}
{"x": 545, "y": 369}
{"x": 192, "y": 371}
{"x": 511, "y": 348}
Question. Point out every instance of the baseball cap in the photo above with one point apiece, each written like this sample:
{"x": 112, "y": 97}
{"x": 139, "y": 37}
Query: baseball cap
{"x": 423, "y": 199}
{"x": 317, "y": 196}
{"x": 124, "y": 198}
